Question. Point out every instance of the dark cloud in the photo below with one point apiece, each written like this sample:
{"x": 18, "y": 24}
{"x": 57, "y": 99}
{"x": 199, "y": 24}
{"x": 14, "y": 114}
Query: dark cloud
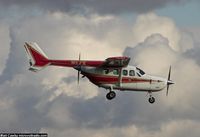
{"x": 127, "y": 109}
{"x": 16, "y": 57}
{"x": 70, "y": 79}
{"x": 193, "y": 53}
{"x": 22, "y": 114}
{"x": 100, "y": 6}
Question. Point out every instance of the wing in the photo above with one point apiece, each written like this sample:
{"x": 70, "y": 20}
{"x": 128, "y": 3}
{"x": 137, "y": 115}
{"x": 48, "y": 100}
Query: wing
{"x": 38, "y": 60}
{"x": 116, "y": 62}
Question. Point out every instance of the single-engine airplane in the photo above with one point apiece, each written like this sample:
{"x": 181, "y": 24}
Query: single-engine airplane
{"x": 114, "y": 73}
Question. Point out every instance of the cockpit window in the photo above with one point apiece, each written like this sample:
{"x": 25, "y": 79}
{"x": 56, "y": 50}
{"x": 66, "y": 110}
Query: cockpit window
{"x": 140, "y": 71}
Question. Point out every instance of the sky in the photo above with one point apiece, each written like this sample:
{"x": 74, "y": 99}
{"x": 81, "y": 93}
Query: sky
{"x": 154, "y": 33}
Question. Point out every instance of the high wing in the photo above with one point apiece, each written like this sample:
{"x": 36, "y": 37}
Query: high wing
{"x": 116, "y": 62}
{"x": 38, "y": 60}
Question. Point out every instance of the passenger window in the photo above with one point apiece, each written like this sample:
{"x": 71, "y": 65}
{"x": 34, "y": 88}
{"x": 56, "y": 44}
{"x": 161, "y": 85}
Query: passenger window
{"x": 131, "y": 73}
{"x": 115, "y": 72}
{"x": 106, "y": 71}
{"x": 125, "y": 72}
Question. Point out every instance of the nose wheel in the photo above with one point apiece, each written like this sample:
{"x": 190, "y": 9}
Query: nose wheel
{"x": 151, "y": 99}
{"x": 111, "y": 95}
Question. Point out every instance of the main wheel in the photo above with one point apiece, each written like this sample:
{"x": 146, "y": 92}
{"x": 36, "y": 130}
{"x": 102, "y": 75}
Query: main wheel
{"x": 111, "y": 95}
{"x": 151, "y": 100}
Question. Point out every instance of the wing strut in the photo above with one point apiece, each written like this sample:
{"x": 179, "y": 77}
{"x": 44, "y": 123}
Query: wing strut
{"x": 120, "y": 77}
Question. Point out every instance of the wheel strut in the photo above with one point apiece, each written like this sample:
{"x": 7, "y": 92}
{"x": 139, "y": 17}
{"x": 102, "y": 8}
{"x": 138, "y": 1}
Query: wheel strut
{"x": 110, "y": 95}
{"x": 151, "y": 98}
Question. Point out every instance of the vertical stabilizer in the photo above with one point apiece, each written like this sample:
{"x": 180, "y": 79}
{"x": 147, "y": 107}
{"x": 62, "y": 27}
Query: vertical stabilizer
{"x": 37, "y": 58}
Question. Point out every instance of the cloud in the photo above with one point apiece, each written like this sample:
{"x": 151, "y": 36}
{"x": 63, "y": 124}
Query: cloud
{"x": 102, "y": 7}
{"x": 72, "y": 33}
{"x": 50, "y": 101}
{"x": 178, "y": 128}
{"x": 23, "y": 92}
{"x": 18, "y": 98}
{"x": 5, "y": 44}
{"x": 154, "y": 53}
{"x": 193, "y": 37}
{"x": 151, "y": 23}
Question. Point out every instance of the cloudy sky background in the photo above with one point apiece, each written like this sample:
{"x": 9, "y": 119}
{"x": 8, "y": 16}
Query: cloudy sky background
{"x": 154, "y": 33}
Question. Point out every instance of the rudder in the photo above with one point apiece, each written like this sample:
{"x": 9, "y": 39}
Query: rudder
{"x": 37, "y": 58}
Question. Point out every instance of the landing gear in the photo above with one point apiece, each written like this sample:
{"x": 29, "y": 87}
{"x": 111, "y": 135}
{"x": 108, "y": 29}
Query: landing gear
{"x": 111, "y": 95}
{"x": 151, "y": 99}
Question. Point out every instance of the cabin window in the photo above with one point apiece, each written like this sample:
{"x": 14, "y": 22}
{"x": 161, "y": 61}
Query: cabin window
{"x": 131, "y": 73}
{"x": 106, "y": 71}
{"x": 125, "y": 72}
{"x": 115, "y": 71}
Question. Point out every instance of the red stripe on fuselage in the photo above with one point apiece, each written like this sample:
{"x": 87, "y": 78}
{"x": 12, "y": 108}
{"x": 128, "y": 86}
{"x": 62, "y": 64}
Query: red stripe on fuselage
{"x": 107, "y": 79}
{"x": 73, "y": 63}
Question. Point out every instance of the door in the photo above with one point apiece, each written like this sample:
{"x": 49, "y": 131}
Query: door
{"x": 128, "y": 79}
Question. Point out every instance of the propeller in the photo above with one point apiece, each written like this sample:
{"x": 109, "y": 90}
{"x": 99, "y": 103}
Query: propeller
{"x": 79, "y": 58}
{"x": 169, "y": 82}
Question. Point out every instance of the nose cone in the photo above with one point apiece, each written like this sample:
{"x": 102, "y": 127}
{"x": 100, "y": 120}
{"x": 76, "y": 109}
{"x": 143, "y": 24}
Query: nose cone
{"x": 170, "y": 82}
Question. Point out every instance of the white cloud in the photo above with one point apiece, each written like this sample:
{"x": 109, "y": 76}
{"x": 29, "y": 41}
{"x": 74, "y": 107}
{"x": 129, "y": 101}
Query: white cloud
{"x": 151, "y": 23}
{"x": 154, "y": 54}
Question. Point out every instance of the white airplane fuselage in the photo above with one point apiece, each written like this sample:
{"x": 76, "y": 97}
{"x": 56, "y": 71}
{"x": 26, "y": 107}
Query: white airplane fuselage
{"x": 113, "y": 73}
{"x": 131, "y": 78}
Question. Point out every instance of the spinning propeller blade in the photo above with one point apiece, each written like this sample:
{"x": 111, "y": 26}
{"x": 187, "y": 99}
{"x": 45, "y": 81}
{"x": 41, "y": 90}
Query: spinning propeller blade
{"x": 169, "y": 82}
{"x": 79, "y": 58}
{"x": 78, "y": 76}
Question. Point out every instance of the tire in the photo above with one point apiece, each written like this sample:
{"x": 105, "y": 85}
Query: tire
{"x": 108, "y": 96}
{"x": 151, "y": 100}
{"x": 111, "y": 95}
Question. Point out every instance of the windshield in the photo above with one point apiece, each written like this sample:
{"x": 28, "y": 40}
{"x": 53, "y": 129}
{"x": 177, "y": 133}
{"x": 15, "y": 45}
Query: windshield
{"x": 140, "y": 71}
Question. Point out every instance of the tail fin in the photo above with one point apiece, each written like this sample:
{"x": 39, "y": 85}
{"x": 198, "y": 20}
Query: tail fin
{"x": 37, "y": 58}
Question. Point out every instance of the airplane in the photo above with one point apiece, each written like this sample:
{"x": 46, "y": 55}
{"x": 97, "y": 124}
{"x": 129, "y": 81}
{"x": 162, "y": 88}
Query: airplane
{"x": 113, "y": 73}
